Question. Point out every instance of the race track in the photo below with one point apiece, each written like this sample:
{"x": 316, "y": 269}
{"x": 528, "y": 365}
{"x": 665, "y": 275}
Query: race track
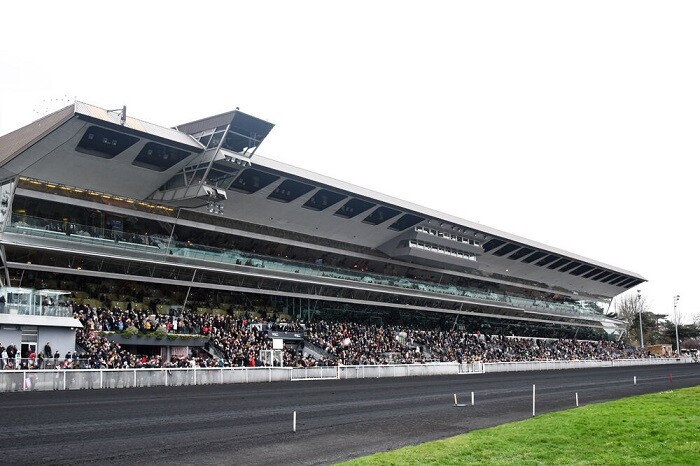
{"x": 252, "y": 423}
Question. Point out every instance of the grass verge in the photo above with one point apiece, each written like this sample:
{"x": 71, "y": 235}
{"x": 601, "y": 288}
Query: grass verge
{"x": 656, "y": 429}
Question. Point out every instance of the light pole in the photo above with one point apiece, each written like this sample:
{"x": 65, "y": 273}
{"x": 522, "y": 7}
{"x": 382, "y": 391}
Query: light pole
{"x": 641, "y": 333}
{"x": 675, "y": 314}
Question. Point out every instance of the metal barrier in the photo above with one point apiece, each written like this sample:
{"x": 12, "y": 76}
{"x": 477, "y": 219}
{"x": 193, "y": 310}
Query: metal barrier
{"x": 80, "y": 379}
{"x": 581, "y": 364}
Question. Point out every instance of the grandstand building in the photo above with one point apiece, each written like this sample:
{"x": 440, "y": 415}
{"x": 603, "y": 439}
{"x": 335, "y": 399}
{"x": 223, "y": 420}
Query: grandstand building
{"x": 89, "y": 194}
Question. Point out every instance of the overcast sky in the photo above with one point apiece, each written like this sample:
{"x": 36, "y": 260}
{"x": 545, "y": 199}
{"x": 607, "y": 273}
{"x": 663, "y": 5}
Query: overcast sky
{"x": 575, "y": 124}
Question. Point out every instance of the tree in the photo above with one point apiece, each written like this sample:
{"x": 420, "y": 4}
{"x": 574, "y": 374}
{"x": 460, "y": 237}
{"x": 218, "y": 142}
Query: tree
{"x": 685, "y": 332}
{"x": 628, "y": 309}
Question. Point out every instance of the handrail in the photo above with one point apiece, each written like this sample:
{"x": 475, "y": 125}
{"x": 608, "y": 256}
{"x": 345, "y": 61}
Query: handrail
{"x": 76, "y": 379}
{"x": 42, "y": 227}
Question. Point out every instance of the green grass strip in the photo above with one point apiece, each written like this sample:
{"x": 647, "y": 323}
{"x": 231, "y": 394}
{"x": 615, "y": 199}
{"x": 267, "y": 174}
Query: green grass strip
{"x": 656, "y": 429}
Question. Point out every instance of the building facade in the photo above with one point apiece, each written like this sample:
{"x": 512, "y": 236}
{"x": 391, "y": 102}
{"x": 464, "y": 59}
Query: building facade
{"x": 89, "y": 195}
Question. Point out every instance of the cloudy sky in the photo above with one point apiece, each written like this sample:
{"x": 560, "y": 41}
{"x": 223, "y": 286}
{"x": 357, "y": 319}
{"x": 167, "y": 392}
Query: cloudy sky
{"x": 575, "y": 124}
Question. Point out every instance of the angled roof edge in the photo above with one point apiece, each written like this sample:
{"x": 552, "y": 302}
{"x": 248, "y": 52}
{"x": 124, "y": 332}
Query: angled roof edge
{"x": 192, "y": 127}
{"x": 222, "y": 119}
{"x": 114, "y": 118}
{"x": 19, "y": 140}
{"x": 407, "y": 205}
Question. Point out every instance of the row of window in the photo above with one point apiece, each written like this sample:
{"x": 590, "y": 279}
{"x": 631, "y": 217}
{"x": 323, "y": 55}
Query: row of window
{"x": 107, "y": 144}
{"x": 439, "y": 249}
{"x": 527, "y": 255}
{"x": 104, "y": 143}
{"x": 441, "y": 234}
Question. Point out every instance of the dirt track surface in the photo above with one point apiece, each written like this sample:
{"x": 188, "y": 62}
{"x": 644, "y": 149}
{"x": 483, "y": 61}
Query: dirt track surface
{"x": 336, "y": 419}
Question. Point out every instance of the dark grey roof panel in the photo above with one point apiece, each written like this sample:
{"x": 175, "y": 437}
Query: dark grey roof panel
{"x": 21, "y": 139}
{"x": 423, "y": 211}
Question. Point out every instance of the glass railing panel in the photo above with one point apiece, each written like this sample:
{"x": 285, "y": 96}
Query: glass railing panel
{"x": 85, "y": 234}
{"x": 31, "y": 310}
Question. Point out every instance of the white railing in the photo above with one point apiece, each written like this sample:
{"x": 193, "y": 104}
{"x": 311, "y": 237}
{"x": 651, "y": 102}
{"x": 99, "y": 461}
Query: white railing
{"x": 583, "y": 364}
{"x": 77, "y": 379}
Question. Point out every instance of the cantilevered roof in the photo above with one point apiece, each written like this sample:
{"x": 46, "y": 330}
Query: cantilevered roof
{"x": 236, "y": 117}
{"x": 261, "y": 161}
{"x": 282, "y": 196}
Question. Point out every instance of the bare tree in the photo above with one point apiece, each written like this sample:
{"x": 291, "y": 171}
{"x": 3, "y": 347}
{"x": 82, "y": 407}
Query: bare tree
{"x": 628, "y": 308}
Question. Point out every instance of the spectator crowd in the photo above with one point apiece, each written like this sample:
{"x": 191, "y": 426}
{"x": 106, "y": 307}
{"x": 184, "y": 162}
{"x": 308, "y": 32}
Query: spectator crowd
{"x": 240, "y": 341}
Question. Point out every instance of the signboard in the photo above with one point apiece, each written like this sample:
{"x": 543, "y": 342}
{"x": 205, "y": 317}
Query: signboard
{"x": 274, "y": 334}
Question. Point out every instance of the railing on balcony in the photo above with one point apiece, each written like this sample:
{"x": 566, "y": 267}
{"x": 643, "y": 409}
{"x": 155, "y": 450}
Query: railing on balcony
{"x": 160, "y": 245}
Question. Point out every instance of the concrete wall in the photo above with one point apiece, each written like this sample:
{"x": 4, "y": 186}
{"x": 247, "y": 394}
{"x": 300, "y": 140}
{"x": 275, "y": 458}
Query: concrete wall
{"x": 10, "y": 335}
{"x": 60, "y": 338}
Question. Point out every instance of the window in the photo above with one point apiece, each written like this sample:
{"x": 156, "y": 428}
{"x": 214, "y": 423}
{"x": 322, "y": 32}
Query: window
{"x": 520, "y": 253}
{"x": 353, "y": 207}
{"x": 493, "y": 244}
{"x": 405, "y": 221}
{"x": 534, "y": 257}
{"x": 204, "y": 140}
{"x": 215, "y": 140}
{"x": 159, "y": 157}
{"x": 437, "y": 249}
{"x": 252, "y": 180}
{"x": 380, "y": 215}
{"x": 104, "y": 143}
{"x": 289, "y": 190}
{"x": 570, "y": 266}
{"x": 558, "y": 263}
{"x": 322, "y": 199}
{"x": 547, "y": 260}
{"x": 238, "y": 143}
{"x": 507, "y": 249}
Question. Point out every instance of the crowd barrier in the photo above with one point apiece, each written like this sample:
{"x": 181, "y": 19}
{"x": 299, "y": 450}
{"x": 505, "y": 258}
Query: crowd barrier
{"x": 583, "y": 364}
{"x": 79, "y": 379}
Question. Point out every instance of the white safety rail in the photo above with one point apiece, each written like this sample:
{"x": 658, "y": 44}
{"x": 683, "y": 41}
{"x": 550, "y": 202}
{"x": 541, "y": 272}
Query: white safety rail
{"x": 583, "y": 364}
{"x": 396, "y": 370}
{"x": 81, "y": 379}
